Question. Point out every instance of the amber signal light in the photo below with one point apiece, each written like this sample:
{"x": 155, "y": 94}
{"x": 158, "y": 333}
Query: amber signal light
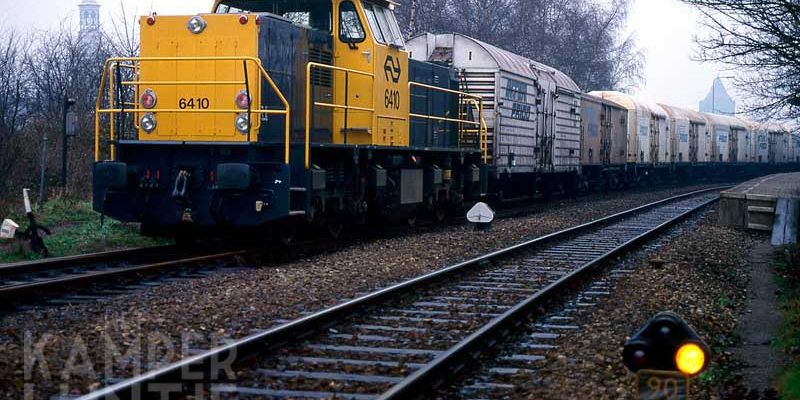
{"x": 690, "y": 359}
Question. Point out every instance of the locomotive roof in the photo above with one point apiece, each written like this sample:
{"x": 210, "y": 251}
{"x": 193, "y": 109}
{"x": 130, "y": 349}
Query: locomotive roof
{"x": 505, "y": 60}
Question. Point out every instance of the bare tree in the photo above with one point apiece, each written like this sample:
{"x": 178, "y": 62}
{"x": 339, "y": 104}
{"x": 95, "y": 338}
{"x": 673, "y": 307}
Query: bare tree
{"x": 123, "y": 36}
{"x": 13, "y": 92}
{"x": 583, "y": 39}
{"x": 759, "y": 39}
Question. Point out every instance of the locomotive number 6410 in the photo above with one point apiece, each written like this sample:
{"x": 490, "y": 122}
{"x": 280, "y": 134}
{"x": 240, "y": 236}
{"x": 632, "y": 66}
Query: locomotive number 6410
{"x": 391, "y": 99}
{"x": 200, "y": 103}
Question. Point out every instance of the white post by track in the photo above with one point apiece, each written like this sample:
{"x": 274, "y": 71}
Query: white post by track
{"x": 481, "y": 215}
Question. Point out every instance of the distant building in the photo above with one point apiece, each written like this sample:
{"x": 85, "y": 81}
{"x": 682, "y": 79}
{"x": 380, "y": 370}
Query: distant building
{"x": 718, "y": 101}
{"x": 90, "y": 19}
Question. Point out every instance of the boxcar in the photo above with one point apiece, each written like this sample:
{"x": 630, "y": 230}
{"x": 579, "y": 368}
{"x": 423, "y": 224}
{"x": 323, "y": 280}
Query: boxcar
{"x": 532, "y": 111}
{"x": 647, "y": 129}
{"x": 688, "y": 136}
{"x": 726, "y": 132}
{"x": 604, "y": 128}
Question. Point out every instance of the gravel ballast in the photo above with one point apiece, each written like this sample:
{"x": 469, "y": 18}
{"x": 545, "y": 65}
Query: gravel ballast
{"x": 77, "y": 348}
{"x": 701, "y": 274}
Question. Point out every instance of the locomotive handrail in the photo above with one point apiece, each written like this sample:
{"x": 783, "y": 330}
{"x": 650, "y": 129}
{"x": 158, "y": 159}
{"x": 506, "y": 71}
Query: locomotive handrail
{"x": 470, "y": 98}
{"x": 135, "y": 63}
{"x": 484, "y": 131}
{"x": 310, "y": 66}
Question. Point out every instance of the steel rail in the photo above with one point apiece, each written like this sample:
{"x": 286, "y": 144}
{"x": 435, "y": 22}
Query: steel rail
{"x": 49, "y": 264}
{"x": 78, "y": 277}
{"x": 208, "y": 366}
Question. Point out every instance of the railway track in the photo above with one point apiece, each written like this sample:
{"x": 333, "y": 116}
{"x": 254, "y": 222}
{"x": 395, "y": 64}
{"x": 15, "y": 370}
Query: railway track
{"x": 406, "y": 340}
{"x": 37, "y": 279}
{"x": 48, "y": 278}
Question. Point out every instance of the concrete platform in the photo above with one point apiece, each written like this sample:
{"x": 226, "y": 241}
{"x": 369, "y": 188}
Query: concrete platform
{"x": 752, "y": 205}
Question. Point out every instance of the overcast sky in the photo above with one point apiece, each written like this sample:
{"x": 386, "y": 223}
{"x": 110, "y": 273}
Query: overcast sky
{"x": 663, "y": 28}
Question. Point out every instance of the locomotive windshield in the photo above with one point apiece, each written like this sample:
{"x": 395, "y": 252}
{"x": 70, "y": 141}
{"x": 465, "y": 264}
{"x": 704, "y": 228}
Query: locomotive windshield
{"x": 383, "y": 25}
{"x": 315, "y": 13}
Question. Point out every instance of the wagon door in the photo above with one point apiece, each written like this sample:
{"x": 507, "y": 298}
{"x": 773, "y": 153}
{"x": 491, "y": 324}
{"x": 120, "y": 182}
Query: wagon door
{"x": 694, "y": 139}
{"x": 547, "y": 134}
{"x": 567, "y": 129}
{"x": 733, "y": 146}
{"x": 654, "y": 139}
{"x": 606, "y": 127}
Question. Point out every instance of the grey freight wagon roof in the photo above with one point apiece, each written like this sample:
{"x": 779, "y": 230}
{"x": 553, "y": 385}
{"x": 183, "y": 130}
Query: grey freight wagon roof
{"x": 514, "y": 63}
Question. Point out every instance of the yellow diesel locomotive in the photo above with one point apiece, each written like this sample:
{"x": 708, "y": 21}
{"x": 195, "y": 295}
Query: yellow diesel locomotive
{"x": 270, "y": 113}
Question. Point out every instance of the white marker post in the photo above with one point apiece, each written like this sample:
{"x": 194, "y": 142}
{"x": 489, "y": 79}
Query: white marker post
{"x": 26, "y": 198}
{"x": 481, "y": 215}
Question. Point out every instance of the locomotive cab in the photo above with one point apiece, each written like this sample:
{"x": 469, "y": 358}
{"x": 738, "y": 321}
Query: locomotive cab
{"x": 266, "y": 111}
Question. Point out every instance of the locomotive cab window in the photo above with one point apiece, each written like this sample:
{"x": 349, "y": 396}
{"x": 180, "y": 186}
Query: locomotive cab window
{"x": 313, "y": 13}
{"x": 350, "y": 28}
{"x": 383, "y": 25}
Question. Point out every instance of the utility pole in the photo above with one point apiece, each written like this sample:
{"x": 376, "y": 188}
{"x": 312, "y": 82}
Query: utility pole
{"x": 44, "y": 163}
{"x": 65, "y": 133}
{"x": 411, "y": 20}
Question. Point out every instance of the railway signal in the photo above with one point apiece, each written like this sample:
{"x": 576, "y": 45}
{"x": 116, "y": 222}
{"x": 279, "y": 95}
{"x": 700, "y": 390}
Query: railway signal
{"x": 665, "y": 354}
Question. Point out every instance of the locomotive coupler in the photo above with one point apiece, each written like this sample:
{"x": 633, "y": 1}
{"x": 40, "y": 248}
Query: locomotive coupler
{"x": 181, "y": 188}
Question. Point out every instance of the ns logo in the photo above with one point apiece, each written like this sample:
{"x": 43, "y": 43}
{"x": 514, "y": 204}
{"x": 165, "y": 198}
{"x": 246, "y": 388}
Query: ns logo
{"x": 391, "y": 68}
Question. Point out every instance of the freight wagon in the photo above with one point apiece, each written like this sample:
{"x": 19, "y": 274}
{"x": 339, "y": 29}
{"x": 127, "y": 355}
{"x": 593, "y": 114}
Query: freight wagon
{"x": 727, "y": 134}
{"x": 604, "y": 142}
{"x": 532, "y": 112}
{"x": 648, "y": 130}
{"x": 690, "y": 142}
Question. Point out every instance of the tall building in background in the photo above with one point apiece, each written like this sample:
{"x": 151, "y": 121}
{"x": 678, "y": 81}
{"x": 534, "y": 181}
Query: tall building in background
{"x": 718, "y": 101}
{"x": 90, "y": 19}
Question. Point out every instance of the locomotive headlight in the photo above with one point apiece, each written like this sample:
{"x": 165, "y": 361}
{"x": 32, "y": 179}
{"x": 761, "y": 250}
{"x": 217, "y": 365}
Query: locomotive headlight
{"x": 243, "y": 123}
{"x": 197, "y": 24}
{"x": 149, "y": 99}
{"x": 148, "y": 122}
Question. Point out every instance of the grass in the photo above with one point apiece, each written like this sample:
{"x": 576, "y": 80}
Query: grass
{"x": 790, "y": 383}
{"x": 787, "y": 266}
{"x": 76, "y": 229}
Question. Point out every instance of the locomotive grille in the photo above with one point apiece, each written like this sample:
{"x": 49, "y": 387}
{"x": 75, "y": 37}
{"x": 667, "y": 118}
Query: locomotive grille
{"x": 321, "y": 77}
